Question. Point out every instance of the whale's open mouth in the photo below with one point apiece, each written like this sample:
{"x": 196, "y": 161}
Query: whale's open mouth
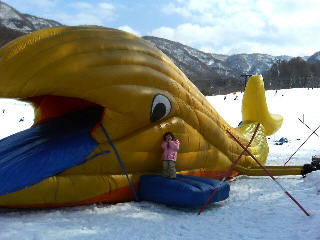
{"x": 60, "y": 140}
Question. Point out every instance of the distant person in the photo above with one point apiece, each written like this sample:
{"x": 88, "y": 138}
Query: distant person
{"x": 170, "y": 147}
{"x": 21, "y": 119}
{"x": 225, "y": 97}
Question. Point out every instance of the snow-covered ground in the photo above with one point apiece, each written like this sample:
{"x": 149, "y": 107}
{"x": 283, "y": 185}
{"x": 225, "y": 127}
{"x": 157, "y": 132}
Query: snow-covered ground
{"x": 256, "y": 209}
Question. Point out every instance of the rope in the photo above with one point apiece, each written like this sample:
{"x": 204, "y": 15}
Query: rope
{"x": 230, "y": 170}
{"x": 120, "y": 161}
{"x": 96, "y": 155}
{"x": 272, "y": 177}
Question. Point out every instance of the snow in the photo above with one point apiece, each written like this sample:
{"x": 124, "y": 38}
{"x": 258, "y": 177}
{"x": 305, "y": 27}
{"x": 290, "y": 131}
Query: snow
{"x": 15, "y": 116}
{"x": 256, "y": 209}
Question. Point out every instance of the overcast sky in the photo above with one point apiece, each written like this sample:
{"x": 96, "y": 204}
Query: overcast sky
{"x": 275, "y": 27}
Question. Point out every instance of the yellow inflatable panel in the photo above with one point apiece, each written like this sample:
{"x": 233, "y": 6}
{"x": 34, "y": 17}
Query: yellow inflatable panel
{"x": 64, "y": 69}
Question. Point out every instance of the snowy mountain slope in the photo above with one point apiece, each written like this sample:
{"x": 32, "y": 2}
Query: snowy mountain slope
{"x": 314, "y": 58}
{"x": 200, "y": 65}
{"x": 232, "y": 65}
{"x": 25, "y": 23}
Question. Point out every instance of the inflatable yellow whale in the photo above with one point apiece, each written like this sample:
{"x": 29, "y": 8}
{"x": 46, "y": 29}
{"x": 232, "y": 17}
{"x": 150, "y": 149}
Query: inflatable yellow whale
{"x": 141, "y": 94}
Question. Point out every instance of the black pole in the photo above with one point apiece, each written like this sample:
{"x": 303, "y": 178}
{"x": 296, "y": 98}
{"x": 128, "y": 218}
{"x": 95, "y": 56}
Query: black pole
{"x": 246, "y": 76}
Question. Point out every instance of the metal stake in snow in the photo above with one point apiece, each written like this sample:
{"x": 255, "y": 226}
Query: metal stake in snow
{"x": 230, "y": 170}
{"x": 301, "y": 145}
{"x": 272, "y": 177}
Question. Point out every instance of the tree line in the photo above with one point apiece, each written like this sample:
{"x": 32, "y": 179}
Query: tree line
{"x": 8, "y": 34}
{"x": 295, "y": 73}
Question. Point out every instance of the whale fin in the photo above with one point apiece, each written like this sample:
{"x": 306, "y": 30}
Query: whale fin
{"x": 254, "y": 106}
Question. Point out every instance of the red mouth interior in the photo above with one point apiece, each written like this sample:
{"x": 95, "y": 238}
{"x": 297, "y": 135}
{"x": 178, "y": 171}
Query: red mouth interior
{"x": 56, "y": 106}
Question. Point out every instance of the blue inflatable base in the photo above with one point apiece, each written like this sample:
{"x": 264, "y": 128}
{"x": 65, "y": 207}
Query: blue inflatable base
{"x": 184, "y": 191}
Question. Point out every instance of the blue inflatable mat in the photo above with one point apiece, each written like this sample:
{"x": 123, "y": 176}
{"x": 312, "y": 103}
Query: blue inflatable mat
{"x": 30, "y": 156}
{"x": 184, "y": 191}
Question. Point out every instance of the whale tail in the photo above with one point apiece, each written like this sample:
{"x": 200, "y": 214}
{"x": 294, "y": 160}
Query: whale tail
{"x": 255, "y": 109}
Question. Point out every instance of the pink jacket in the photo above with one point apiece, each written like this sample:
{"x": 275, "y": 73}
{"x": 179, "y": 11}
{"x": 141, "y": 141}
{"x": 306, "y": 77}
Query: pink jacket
{"x": 170, "y": 150}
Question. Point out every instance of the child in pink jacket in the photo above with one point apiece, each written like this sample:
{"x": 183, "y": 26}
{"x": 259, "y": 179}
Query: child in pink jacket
{"x": 170, "y": 147}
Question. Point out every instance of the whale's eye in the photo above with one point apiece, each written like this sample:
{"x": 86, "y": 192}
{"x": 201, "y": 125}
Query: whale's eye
{"x": 160, "y": 107}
